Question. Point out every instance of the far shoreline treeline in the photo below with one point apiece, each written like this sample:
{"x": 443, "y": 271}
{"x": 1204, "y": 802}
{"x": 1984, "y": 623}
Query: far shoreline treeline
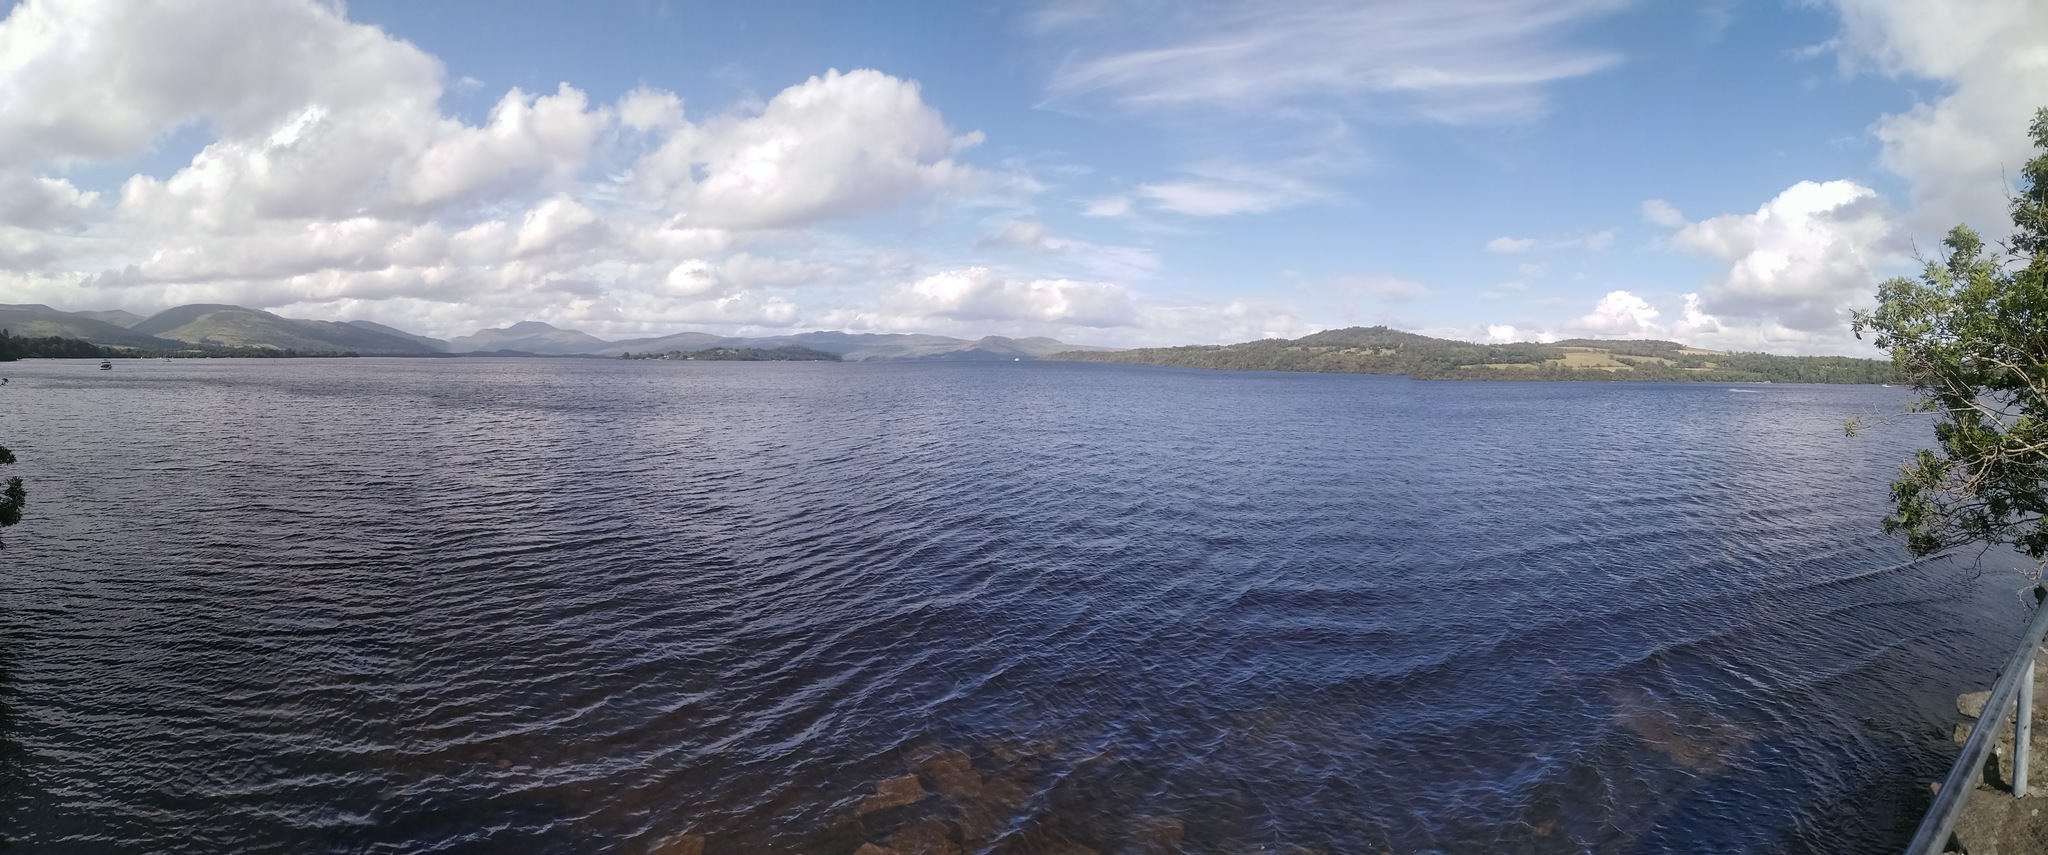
{"x": 1380, "y": 350}
{"x": 1354, "y": 350}
{"x": 14, "y": 348}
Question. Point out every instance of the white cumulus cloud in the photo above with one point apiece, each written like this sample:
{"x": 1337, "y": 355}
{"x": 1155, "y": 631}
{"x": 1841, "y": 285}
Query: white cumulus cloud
{"x": 981, "y": 294}
{"x": 41, "y": 202}
{"x": 1957, "y": 146}
{"x": 1620, "y": 314}
{"x": 329, "y": 179}
{"x": 836, "y": 145}
{"x": 395, "y": 158}
{"x": 1509, "y": 333}
{"x": 1804, "y": 259}
{"x": 104, "y": 79}
{"x": 1662, "y": 213}
{"x": 645, "y": 109}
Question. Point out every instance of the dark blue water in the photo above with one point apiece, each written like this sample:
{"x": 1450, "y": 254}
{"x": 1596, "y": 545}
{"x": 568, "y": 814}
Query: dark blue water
{"x": 580, "y": 606}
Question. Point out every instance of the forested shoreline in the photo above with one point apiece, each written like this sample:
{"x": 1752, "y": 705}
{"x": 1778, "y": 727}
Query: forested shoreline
{"x": 1380, "y": 350}
{"x": 13, "y": 347}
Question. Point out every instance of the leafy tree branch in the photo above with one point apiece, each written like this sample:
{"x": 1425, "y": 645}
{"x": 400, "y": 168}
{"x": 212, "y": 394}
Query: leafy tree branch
{"x": 1971, "y": 335}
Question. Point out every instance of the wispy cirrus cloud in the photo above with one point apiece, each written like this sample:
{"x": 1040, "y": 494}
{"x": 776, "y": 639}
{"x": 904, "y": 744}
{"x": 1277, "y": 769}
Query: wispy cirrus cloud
{"x": 1208, "y": 198}
{"x": 1383, "y": 288}
{"x": 1513, "y": 245}
{"x": 1458, "y": 61}
{"x": 1224, "y": 187}
{"x": 1297, "y": 78}
{"x": 1114, "y": 262}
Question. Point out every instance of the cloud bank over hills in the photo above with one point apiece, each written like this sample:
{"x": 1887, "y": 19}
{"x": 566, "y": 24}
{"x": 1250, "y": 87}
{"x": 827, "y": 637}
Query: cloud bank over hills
{"x": 1121, "y": 172}
{"x": 334, "y": 182}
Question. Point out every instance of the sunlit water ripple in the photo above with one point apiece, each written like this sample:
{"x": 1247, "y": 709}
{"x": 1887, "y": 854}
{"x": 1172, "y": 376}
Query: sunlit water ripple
{"x": 579, "y": 605}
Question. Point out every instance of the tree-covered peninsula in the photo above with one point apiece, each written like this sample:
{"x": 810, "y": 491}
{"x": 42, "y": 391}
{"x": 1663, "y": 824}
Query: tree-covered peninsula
{"x": 1379, "y": 350}
{"x": 13, "y": 347}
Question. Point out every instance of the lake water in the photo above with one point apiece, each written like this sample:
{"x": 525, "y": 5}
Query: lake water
{"x": 489, "y": 605}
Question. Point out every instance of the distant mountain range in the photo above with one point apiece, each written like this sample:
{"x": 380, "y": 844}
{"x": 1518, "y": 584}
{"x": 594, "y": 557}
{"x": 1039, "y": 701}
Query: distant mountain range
{"x": 235, "y": 326}
{"x": 1365, "y": 350}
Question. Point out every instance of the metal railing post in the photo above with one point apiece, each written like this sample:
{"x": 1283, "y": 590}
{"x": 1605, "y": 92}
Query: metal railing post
{"x": 1940, "y": 821}
{"x": 2023, "y": 724}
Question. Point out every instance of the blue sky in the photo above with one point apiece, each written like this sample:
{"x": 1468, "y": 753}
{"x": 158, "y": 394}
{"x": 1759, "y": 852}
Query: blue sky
{"x": 1730, "y": 174}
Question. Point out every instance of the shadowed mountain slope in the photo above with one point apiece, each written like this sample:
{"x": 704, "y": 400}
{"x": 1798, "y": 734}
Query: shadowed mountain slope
{"x": 531, "y": 337}
{"x": 114, "y": 316}
{"x": 26, "y": 323}
{"x": 664, "y": 344}
{"x": 436, "y": 344}
{"x": 207, "y": 323}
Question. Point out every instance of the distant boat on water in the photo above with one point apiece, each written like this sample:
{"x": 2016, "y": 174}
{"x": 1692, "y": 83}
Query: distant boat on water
{"x": 106, "y": 365}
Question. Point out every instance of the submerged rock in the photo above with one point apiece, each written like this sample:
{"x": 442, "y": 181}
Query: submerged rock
{"x": 892, "y": 792}
{"x": 924, "y": 837}
{"x": 1160, "y": 833}
{"x": 952, "y": 774}
{"x": 678, "y": 844}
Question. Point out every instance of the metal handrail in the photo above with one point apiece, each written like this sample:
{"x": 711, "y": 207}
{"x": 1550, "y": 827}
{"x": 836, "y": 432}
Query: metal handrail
{"x": 1940, "y": 822}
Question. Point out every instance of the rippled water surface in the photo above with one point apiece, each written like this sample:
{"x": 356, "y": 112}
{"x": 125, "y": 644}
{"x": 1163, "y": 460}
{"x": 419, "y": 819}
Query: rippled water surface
{"x": 579, "y": 605}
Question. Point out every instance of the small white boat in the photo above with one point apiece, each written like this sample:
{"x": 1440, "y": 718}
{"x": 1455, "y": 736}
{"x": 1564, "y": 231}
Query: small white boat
{"x": 106, "y": 365}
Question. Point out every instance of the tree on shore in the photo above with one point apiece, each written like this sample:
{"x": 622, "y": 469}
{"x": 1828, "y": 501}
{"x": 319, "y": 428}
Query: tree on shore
{"x": 1971, "y": 335}
{"x": 12, "y": 496}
